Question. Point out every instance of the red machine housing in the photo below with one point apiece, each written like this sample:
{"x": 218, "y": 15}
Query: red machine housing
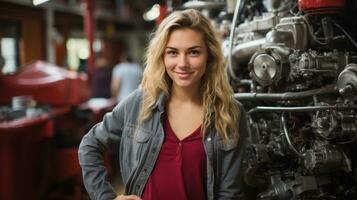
{"x": 47, "y": 84}
{"x": 321, "y": 6}
{"x": 31, "y": 166}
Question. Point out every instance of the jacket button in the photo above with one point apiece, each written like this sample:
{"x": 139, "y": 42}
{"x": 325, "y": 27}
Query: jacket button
{"x": 209, "y": 139}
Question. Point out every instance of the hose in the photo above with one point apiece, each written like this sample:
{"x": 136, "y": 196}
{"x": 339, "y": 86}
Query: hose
{"x": 231, "y": 36}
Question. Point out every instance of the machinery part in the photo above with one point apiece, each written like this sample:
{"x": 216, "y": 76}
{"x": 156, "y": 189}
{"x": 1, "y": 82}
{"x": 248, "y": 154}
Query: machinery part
{"x": 278, "y": 5}
{"x": 311, "y": 67}
{"x": 260, "y": 153}
{"x": 298, "y": 37}
{"x": 348, "y": 122}
{"x": 325, "y": 122}
{"x": 273, "y": 5}
{"x": 258, "y": 156}
{"x": 259, "y": 24}
{"x": 318, "y": 6}
{"x": 280, "y": 190}
{"x": 243, "y": 52}
{"x": 323, "y": 159}
{"x": 203, "y": 5}
{"x": 269, "y": 65}
{"x": 280, "y": 37}
{"x": 338, "y": 123}
{"x": 265, "y": 69}
{"x": 312, "y": 61}
{"x": 347, "y": 81}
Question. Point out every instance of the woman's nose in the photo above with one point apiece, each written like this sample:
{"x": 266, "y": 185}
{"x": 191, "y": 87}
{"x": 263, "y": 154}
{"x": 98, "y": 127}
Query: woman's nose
{"x": 182, "y": 61}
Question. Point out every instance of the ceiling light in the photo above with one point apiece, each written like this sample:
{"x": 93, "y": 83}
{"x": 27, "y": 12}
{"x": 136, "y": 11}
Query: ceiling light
{"x": 38, "y": 2}
{"x": 153, "y": 13}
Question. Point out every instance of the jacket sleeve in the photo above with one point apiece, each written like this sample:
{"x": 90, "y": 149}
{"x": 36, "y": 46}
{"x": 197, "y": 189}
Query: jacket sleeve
{"x": 230, "y": 163}
{"x": 91, "y": 151}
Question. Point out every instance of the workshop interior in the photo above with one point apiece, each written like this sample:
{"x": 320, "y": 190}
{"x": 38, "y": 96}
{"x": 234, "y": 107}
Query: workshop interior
{"x": 291, "y": 63}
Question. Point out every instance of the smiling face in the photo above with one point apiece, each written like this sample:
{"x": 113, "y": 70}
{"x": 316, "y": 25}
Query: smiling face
{"x": 185, "y": 58}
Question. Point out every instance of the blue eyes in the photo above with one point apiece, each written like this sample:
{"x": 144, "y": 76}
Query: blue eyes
{"x": 192, "y": 53}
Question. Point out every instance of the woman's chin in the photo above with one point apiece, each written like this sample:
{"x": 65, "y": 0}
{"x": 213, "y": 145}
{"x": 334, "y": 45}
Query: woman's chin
{"x": 184, "y": 84}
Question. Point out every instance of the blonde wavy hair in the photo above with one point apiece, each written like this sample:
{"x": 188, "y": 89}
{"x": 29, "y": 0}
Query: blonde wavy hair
{"x": 220, "y": 108}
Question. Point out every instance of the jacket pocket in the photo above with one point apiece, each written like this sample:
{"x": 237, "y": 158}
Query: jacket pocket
{"x": 134, "y": 147}
{"x": 136, "y": 134}
{"x": 142, "y": 136}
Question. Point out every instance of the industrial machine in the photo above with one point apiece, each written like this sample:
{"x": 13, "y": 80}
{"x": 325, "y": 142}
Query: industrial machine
{"x": 293, "y": 64}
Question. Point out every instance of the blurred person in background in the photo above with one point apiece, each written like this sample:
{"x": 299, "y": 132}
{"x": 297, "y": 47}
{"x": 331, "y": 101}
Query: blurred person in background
{"x": 126, "y": 77}
{"x": 182, "y": 134}
{"x": 101, "y": 80}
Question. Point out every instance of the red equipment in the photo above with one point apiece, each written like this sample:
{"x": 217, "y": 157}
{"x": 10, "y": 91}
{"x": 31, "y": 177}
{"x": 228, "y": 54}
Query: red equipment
{"x": 46, "y": 83}
{"x": 31, "y": 165}
{"x": 321, "y": 6}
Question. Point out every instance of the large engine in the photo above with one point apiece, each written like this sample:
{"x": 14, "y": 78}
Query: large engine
{"x": 295, "y": 69}
{"x": 293, "y": 64}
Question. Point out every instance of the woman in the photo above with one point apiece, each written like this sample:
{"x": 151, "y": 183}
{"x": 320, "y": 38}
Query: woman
{"x": 182, "y": 135}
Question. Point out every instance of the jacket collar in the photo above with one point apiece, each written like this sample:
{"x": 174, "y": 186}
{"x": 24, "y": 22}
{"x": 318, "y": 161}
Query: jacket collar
{"x": 161, "y": 101}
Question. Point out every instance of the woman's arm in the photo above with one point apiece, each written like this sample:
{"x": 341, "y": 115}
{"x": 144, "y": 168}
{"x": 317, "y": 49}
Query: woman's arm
{"x": 91, "y": 152}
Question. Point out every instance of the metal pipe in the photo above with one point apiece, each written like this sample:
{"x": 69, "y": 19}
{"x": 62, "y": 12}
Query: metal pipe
{"x": 298, "y": 109}
{"x": 286, "y": 96}
{"x": 346, "y": 33}
{"x": 231, "y": 36}
{"x": 285, "y": 130}
{"x": 245, "y": 51}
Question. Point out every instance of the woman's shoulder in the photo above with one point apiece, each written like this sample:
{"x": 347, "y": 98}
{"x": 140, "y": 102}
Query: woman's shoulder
{"x": 132, "y": 100}
{"x": 135, "y": 95}
{"x": 238, "y": 105}
{"x": 242, "y": 115}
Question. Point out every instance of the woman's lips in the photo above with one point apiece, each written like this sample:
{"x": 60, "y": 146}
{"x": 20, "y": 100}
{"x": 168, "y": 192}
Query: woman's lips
{"x": 183, "y": 74}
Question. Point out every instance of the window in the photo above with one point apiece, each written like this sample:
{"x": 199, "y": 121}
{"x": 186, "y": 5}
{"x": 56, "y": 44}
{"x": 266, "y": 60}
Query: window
{"x": 9, "y": 46}
{"x": 78, "y": 52}
{"x": 9, "y": 54}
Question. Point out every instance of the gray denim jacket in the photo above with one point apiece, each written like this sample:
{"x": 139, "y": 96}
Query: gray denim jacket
{"x": 140, "y": 147}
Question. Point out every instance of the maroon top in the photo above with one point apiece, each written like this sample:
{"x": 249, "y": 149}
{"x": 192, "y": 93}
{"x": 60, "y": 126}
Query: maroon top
{"x": 180, "y": 170}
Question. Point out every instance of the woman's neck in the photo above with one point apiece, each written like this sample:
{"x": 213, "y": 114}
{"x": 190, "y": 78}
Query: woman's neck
{"x": 185, "y": 95}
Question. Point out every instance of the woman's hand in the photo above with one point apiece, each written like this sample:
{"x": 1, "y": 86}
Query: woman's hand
{"x": 127, "y": 197}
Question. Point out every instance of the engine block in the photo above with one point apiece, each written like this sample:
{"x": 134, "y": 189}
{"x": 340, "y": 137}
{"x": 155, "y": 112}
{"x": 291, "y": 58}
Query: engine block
{"x": 294, "y": 67}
